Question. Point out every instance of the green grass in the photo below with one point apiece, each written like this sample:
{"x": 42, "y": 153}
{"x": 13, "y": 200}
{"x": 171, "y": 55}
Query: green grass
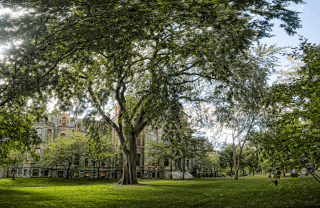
{"x": 38, "y": 182}
{"x": 208, "y": 192}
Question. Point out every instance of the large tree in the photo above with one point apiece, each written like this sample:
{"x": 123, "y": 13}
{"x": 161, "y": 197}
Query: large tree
{"x": 154, "y": 50}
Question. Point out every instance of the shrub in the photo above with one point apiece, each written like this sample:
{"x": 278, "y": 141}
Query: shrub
{"x": 294, "y": 175}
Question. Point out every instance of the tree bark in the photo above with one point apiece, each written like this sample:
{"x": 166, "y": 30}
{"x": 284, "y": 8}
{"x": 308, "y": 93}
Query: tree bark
{"x": 183, "y": 168}
{"x": 68, "y": 170}
{"x": 253, "y": 172}
{"x": 129, "y": 168}
{"x": 171, "y": 169}
{"x": 234, "y": 163}
{"x": 13, "y": 174}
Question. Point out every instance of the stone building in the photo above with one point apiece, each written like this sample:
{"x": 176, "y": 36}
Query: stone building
{"x": 57, "y": 125}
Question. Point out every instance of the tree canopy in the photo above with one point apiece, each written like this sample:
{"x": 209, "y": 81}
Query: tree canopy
{"x": 155, "y": 51}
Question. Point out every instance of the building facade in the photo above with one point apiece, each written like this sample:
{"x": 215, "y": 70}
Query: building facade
{"x": 55, "y": 125}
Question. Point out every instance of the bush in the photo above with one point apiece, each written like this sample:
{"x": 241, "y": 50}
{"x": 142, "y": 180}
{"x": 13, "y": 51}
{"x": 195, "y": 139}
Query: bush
{"x": 294, "y": 175}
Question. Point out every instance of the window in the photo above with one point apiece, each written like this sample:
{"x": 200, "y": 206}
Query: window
{"x": 138, "y": 159}
{"x": 103, "y": 164}
{"x": 46, "y": 173}
{"x": 86, "y": 174}
{"x": 62, "y": 135}
{"x": 143, "y": 139}
{"x": 166, "y": 162}
{"x": 86, "y": 162}
{"x": 103, "y": 175}
{"x": 25, "y": 172}
{"x": 39, "y": 132}
{"x": 79, "y": 126}
{"x": 63, "y": 121}
{"x": 139, "y": 140}
{"x": 187, "y": 164}
{"x": 93, "y": 173}
{"x": 49, "y": 133}
{"x": 138, "y": 174}
{"x": 60, "y": 174}
{"x": 155, "y": 136}
{"x": 76, "y": 174}
{"x": 35, "y": 172}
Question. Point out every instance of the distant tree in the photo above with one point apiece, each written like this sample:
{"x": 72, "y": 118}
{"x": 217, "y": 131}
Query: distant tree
{"x": 15, "y": 157}
{"x": 65, "y": 150}
{"x": 251, "y": 158}
{"x": 100, "y": 147}
{"x": 226, "y": 158}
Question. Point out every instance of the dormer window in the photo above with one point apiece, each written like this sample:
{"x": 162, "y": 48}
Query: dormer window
{"x": 79, "y": 125}
{"x": 63, "y": 121}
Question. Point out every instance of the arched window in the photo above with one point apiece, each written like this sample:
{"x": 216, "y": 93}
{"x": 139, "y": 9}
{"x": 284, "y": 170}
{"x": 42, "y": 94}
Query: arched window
{"x": 63, "y": 121}
{"x": 62, "y": 134}
{"x": 39, "y": 132}
{"x": 35, "y": 172}
{"x": 49, "y": 133}
{"x": 79, "y": 126}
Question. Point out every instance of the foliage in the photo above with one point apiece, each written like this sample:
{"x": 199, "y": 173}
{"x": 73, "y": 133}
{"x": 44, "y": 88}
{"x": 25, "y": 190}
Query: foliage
{"x": 153, "y": 51}
{"x": 293, "y": 134}
{"x": 100, "y": 146}
{"x": 15, "y": 157}
{"x": 250, "y": 158}
{"x": 65, "y": 150}
{"x": 16, "y": 130}
{"x": 226, "y": 158}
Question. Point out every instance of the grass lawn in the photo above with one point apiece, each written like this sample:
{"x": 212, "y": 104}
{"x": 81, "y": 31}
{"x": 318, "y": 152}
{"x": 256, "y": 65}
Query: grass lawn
{"x": 207, "y": 192}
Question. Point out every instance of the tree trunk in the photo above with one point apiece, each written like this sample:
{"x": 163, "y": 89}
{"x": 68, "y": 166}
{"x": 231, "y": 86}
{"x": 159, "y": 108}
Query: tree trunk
{"x": 13, "y": 174}
{"x": 231, "y": 172}
{"x": 284, "y": 172}
{"x": 68, "y": 170}
{"x": 129, "y": 168}
{"x": 235, "y": 163}
{"x": 171, "y": 169}
{"x": 98, "y": 172}
{"x": 253, "y": 172}
{"x": 183, "y": 168}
